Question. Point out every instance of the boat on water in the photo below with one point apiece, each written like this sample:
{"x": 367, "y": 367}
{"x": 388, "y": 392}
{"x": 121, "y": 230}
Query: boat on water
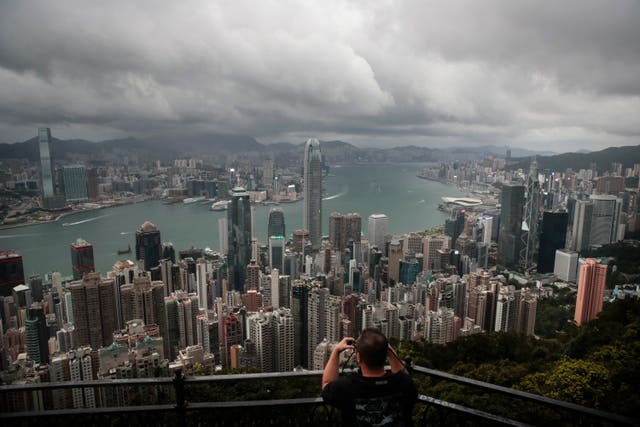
{"x": 191, "y": 200}
{"x": 125, "y": 251}
{"x": 220, "y": 205}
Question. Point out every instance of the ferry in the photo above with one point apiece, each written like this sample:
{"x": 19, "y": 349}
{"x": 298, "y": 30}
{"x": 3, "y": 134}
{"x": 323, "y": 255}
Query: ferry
{"x": 220, "y": 205}
{"x": 193, "y": 200}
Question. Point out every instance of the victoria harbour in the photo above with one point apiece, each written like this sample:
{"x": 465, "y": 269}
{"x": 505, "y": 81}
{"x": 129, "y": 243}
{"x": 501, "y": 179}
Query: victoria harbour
{"x": 393, "y": 189}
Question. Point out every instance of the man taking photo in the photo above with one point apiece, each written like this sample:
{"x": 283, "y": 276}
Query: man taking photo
{"x": 372, "y": 396}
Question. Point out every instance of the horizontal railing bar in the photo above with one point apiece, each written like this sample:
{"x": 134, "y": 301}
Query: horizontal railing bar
{"x": 470, "y": 411}
{"x": 169, "y": 381}
{"x": 254, "y": 403}
{"x": 525, "y": 395}
{"x": 91, "y": 411}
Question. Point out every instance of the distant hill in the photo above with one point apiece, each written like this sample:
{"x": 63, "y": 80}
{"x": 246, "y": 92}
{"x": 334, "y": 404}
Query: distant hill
{"x": 163, "y": 147}
{"x": 628, "y": 156}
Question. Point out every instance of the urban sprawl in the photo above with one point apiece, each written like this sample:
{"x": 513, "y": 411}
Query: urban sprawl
{"x": 280, "y": 305}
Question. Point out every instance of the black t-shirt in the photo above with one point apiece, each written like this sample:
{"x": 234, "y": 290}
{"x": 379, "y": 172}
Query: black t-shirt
{"x": 373, "y": 401}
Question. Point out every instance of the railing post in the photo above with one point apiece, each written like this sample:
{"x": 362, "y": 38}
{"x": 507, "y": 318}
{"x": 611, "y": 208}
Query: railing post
{"x": 181, "y": 405}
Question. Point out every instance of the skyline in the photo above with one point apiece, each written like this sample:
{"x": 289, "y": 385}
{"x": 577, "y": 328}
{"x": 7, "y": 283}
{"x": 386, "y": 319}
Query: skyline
{"x": 378, "y": 75}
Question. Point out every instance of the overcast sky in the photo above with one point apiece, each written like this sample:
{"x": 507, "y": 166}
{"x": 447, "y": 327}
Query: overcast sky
{"x": 558, "y": 75}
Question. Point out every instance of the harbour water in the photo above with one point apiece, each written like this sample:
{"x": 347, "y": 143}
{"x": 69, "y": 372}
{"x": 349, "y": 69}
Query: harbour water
{"x": 393, "y": 189}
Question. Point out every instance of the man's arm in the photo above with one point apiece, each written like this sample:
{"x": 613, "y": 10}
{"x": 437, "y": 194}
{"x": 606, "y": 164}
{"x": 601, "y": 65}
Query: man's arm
{"x": 331, "y": 372}
{"x": 395, "y": 362}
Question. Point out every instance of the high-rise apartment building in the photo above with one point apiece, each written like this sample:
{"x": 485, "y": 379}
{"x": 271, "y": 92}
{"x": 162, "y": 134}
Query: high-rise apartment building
{"x": 509, "y": 243}
{"x": 312, "y": 204}
{"x": 148, "y": 245}
{"x": 75, "y": 184}
{"x": 323, "y": 318}
{"x": 181, "y": 311}
{"x": 552, "y": 238}
{"x": 430, "y": 247}
{"x": 94, "y": 309}
{"x": 81, "y": 258}
{"x": 377, "y": 230}
{"x": 593, "y": 278}
{"x": 344, "y": 229}
{"x": 144, "y": 299}
{"x": 395, "y": 255}
{"x": 239, "y": 234}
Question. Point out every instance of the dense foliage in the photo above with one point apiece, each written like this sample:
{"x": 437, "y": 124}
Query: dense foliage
{"x": 595, "y": 365}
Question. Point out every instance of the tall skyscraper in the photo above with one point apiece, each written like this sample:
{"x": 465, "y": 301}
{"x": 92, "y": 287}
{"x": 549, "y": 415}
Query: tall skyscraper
{"x": 454, "y": 226}
{"x": 312, "y": 207}
{"x": 509, "y": 243}
{"x": 46, "y": 166}
{"x": 276, "y": 223}
{"x": 593, "y": 278}
{"x": 148, "y": 245}
{"x": 596, "y": 222}
{"x": 37, "y": 334}
{"x": 605, "y": 221}
{"x": 75, "y": 184}
{"x": 81, "y": 258}
{"x": 395, "y": 255}
{"x": 530, "y": 213}
{"x": 276, "y": 252}
{"x": 239, "y": 234}
{"x": 377, "y": 230}
{"x": 552, "y": 238}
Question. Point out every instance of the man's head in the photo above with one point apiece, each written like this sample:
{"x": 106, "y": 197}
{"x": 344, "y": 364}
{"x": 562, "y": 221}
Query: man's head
{"x": 372, "y": 348}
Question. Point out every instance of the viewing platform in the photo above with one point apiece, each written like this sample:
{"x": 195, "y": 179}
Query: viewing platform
{"x": 257, "y": 399}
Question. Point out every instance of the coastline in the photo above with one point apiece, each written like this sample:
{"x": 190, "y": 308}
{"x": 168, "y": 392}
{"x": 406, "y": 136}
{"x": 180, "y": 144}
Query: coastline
{"x": 74, "y": 212}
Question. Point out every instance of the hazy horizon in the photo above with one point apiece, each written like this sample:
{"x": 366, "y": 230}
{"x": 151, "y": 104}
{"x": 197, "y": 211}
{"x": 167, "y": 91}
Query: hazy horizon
{"x": 376, "y": 74}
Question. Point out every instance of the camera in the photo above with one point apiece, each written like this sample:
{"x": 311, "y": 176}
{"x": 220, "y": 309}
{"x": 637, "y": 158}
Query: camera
{"x": 351, "y": 342}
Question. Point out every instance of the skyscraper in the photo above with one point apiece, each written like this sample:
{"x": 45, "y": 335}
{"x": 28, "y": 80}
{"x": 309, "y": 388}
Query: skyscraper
{"x": 75, "y": 184}
{"x": 94, "y": 310}
{"x": 509, "y": 243}
{"x": 81, "y": 258}
{"x": 239, "y": 234}
{"x": 312, "y": 207}
{"x": 148, "y": 245}
{"x": 11, "y": 271}
{"x": 377, "y": 230}
{"x": 530, "y": 213}
{"x": 46, "y": 166}
{"x": 605, "y": 219}
{"x": 344, "y": 228}
{"x": 276, "y": 252}
{"x": 552, "y": 238}
{"x": 593, "y": 278}
{"x": 276, "y": 223}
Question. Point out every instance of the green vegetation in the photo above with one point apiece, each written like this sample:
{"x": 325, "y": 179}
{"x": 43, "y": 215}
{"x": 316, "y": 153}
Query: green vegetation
{"x": 596, "y": 365}
{"x": 626, "y": 256}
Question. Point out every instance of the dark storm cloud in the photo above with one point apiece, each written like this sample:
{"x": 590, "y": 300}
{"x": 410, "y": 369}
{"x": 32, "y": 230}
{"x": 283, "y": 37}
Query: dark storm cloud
{"x": 420, "y": 72}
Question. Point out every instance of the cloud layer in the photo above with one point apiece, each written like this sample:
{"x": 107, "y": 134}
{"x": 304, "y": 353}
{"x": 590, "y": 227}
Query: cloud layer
{"x": 557, "y": 76}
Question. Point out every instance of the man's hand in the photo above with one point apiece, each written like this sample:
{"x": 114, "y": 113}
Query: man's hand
{"x": 331, "y": 373}
{"x": 394, "y": 361}
{"x": 347, "y": 343}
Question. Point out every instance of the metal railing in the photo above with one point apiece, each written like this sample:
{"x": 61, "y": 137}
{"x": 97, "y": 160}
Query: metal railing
{"x": 209, "y": 400}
